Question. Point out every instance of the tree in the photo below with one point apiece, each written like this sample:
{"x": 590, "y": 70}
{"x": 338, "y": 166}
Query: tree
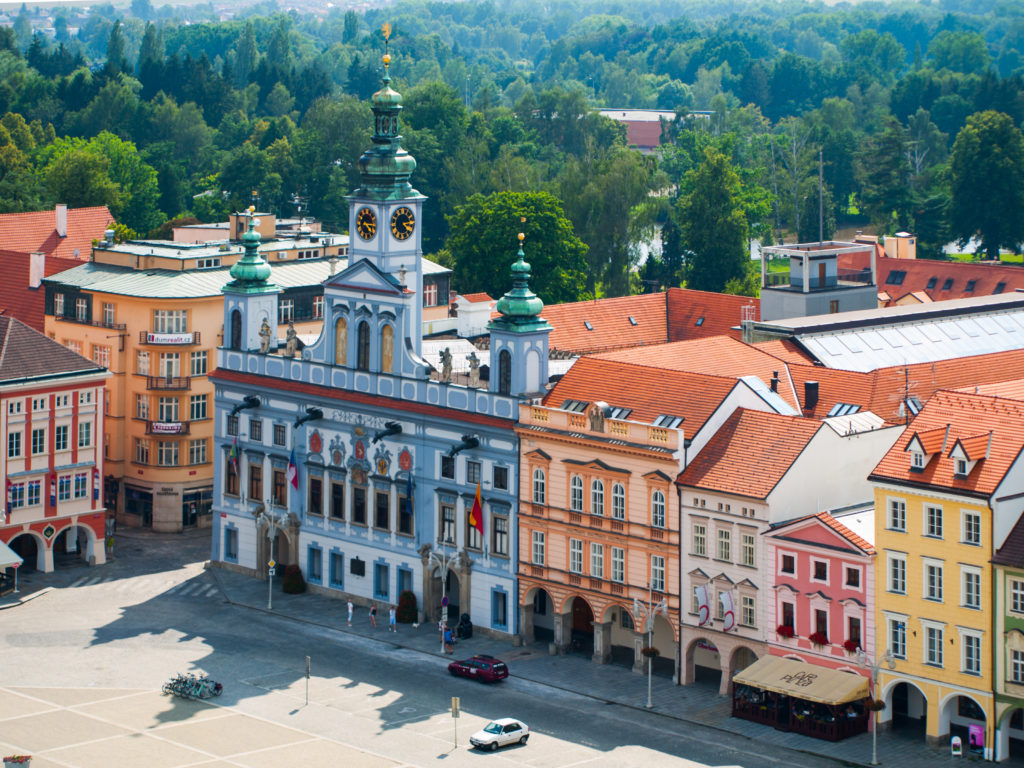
{"x": 80, "y": 179}
{"x": 116, "y": 61}
{"x": 884, "y": 174}
{"x": 713, "y": 225}
{"x": 483, "y": 245}
{"x": 988, "y": 183}
{"x": 351, "y": 28}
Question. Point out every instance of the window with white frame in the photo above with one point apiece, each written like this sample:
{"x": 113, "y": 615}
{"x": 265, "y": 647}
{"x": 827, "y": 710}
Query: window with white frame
{"x": 1017, "y": 666}
{"x": 82, "y": 310}
{"x": 198, "y": 363}
{"x": 724, "y": 551}
{"x": 141, "y": 406}
{"x": 932, "y": 580}
{"x": 538, "y": 486}
{"x": 84, "y": 434}
{"x": 597, "y": 560}
{"x": 142, "y": 363}
{"x": 618, "y": 564}
{"x": 971, "y": 533}
{"x": 167, "y": 409}
{"x": 747, "y": 611}
{"x": 596, "y": 497}
{"x": 17, "y": 494}
{"x": 170, "y": 321}
{"x": 60, "y": 438}
{"x": 933, "y": 645}
{"x": 197, "y": 407}
{"x": 576, "y": 494}
{"x": 898, "y": 638}
{"x": 85, "y": 397}
{"x": 700, "y": 539}
{"x": 101, "y": 355}
{"x": 933, "y": 522}
{"x": 917, "y": 460}
{"x": 657, "y": 573}
{"x": 897, "y": 569}
{"x": 197, "y": 451}
{"x": 285, "y": 311}
{"x": 970, "y": 642}
{"x": 63, "y": 487}
{"x": 787, "y": 564}
{"x": 167, "y": 453}
{"x": 618, "y": 501}
{"x": 318, "y": 307}
{"x": 852, "y": 577}
{"x": 38, "y": 441}
{"x": 658, "y": 509}
{"x": 108, "y": 313}
{"x": 575, "y": 555}
{"x": 35, "y": 492}
{"x": 13, "y": 444}
{"x": 170, "y": 364}
{"x": 81, "y": 485}
{"x": 897, "y": 514}
{"x": 58, "y": 305}
{"x": 141, "y": 451}
{"x": 1016, "y": 596}
{"x": 537, "y": 554}
{"x": 970, "y": 586}
{"x": 747, "y": 541}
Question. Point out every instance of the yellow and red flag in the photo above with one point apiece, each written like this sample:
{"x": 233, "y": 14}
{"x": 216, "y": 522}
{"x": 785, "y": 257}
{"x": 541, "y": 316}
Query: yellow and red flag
{"x": 476, "y": 514}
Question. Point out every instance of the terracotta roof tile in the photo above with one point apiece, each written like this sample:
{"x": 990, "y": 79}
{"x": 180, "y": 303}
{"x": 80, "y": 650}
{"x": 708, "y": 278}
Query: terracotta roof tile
{"x": 474, "y": 298}
{"x": 25, "y": 353}
{"x": 974, "y": 448}
{"x": 37, "y": 231}
{"x": 700, "y": 314}
{"x": 929, "y": 278}
{"x": 609, "y": 321}
{"x": 787, "y": 350}
{"x": 17, "y": 298}
{"x": 650, "y": 392}
{"x": 750, "y": 453}
{"x": 965, "y": 415}
{"x": 932, "y": 440}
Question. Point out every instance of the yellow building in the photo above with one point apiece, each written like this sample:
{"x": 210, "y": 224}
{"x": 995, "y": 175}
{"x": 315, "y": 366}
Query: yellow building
{"x": 152, "y": 312}
{"x": 942, "y": 508}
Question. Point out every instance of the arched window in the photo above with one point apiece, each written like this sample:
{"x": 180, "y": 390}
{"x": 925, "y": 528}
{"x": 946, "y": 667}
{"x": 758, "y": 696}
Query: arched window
{"x": 538, "y": 486}
{"x": 363, "y": 347}
{"x": 658, "y": 509}
{"x": 341, "y": 341}
{"x": 576, "y": 493}
{"x": 387, "y": 349}
{"x": 619, "y": 501}
{"x": 236, "y": 329}
{"x": 596, "y": 497}
{"x": 504, "y": 372}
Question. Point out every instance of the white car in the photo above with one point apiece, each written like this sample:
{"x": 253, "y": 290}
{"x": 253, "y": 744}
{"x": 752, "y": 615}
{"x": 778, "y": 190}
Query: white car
{"x": 499, "y": 733}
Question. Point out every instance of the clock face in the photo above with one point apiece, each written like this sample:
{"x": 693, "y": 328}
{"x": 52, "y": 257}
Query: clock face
{"x": 366, "y": 223}
{"x": 403, "y": 222}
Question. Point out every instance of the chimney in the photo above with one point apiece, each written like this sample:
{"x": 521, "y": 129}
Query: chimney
{"x": 775, "y": 381}
{"x": 36, "y": 268}
{"x": 61, "y": 212}
{"x": 810, "y": 394}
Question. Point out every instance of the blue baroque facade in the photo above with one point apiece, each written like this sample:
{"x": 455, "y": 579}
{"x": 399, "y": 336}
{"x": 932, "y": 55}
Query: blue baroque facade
{"x": 388, "y": 460}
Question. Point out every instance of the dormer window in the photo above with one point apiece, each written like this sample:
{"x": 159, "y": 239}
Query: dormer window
{"x": 968, "y": 451}
{"x": 961, "y": 468}
{"x": 917, "y": 460}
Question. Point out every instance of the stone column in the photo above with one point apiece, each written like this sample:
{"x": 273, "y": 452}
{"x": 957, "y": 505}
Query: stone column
{"x": 602, "y": 642}
{"x": 563, "y": 630}
{"x": 526, "y": 623}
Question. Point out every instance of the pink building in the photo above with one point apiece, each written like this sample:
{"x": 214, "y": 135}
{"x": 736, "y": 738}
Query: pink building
{"x": 823, "y": 590}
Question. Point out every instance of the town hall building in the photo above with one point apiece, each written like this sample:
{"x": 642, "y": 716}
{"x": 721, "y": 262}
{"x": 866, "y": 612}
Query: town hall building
{"x": 363, "y": 458}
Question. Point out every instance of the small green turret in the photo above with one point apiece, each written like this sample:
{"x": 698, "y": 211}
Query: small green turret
{"x": 250, "y": 273}
{"x": 520, "y": 308}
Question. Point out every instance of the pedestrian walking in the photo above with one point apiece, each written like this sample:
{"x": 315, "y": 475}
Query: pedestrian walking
{"x": 392, "y": 619}
{"x": 373, "y": 615}
{"x": 441, "y": 626}
{"x": 350, "y": 609}
{"x": 449, "y": 641}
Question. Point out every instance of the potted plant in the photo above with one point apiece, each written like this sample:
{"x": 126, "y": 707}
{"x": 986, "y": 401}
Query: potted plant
{"x": 874, "y": 705}
{"x": 406, "y": 613}
{"x": 818, "y": 639}
{"x": 21, "y": 761}
{"x": 649, "y": 652}
{"x": 851, "y": 646}
{"x": 293, "y": 583}
{"x": 785, "y": 631}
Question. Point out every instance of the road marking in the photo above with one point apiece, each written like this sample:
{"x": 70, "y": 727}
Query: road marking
{"x": 78, "y": 582}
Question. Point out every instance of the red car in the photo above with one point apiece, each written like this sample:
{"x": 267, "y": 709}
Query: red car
{"x": 486, "y": 668}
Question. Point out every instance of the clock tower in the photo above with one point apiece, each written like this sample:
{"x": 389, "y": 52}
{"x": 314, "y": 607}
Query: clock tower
{"x": 385, "y": 211}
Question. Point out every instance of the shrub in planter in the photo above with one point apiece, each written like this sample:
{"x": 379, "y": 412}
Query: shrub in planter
{"x": 785, "y": 631}
{"x": 874, "y": 705}
{"x": 649, "y": 652}
{"x": 293, "y": 583}
{"x": 406, "y": 613}
{"x": 851, "y": 645}
{"x": 818, "y": 638}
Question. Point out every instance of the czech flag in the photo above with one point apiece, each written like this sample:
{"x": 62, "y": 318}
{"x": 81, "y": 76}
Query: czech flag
{"x": 293, "y": 471}
{"x": 476, "y": 514}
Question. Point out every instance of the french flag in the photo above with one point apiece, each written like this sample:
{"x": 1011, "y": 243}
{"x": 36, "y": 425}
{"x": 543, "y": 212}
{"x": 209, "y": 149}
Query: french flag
{"x": 293, "y": 470}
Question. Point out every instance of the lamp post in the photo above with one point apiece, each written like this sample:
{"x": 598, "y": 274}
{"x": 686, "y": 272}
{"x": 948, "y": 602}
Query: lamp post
{"x": 274, "y": 521}
{"x": 873, "y": 667}
{"x": 440, "y": 557}
{"x": 648, "y": 611}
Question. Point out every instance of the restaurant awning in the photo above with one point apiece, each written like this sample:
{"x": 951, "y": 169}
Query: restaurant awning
{"x": 8, "y": 557}
{"x": 803, "y": 681}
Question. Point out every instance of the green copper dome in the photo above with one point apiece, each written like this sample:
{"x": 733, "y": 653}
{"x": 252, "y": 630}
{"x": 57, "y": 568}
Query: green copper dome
{"x": 520, "y": 308}
{"x": 250, "y": 273}
{"x": 386, "y": 167}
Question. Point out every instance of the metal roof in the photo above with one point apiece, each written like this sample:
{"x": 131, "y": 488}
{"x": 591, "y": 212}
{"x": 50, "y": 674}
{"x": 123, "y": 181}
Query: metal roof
{"x": 170, "y": 249}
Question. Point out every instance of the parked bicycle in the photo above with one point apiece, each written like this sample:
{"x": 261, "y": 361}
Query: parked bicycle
{"x": 193, "y": 687}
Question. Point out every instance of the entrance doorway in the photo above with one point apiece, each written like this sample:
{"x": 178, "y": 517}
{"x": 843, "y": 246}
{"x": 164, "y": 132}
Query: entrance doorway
{"x": 702, "y": 656}
{"x": 27, "y": 548}
{"x": 582, "y": 633}
{"x": 909, "y": 710}
{"x": 138, "y": 507}
{"x": 543, "y": 617}
{"x": 71, "y": 547}
{"x": 196, "y": 506}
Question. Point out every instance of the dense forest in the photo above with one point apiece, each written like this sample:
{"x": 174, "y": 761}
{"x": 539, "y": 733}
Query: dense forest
{"x": 912, "y": 109}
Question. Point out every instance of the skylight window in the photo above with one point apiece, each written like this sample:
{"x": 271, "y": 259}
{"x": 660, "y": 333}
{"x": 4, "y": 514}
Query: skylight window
{"x": 576, "y": 406}
{"x": 700, "y": 321}
{"x": 913, "y": 405}
{"x": 619, "y": 413}
{"x": 632, "y": 320}
{"x": 1000, "y": 287}
{"x": 948, "y": 284}
{"x": 669, "y": 422}
{"x": 843, "y": 409}
{"x": 931, "y": 283}
{"x": 588, "y": 325}
{"x": 896, "y": 277}
{"x": 970, "y": 285}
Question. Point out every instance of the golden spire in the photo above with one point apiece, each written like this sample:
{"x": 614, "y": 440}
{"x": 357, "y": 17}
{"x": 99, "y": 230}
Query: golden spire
{"x": 386, "y": 31}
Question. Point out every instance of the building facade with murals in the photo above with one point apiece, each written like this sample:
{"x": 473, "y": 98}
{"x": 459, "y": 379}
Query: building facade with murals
{"x": 371, "y": 460}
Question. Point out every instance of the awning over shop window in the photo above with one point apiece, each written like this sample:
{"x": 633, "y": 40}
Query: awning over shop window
{"x": 8, "y": 557}
{"x": 803, "y": 681}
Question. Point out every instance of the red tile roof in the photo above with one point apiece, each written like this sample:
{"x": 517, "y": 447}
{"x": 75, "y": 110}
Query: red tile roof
{"x": 974, "y": 448}
{"x": 699, "y": 314}
{"x": 650, "y": 392}
{"x": 610, "y": 326}
{"x": 932, "y": 440}
{"x": 750, "y": 453}
{"x": 474, "y": 298}
{"x": 1013, "y": 389}
{"x": 826, "y": 519}
{"x": 25, "y": 353}
{"x": 965, "y": 415}
{"x": 919, "y": 274}
{"x": 1012, "y": 551}
{"x": 643, "y": 134}
{"x": 787, "y": 350}
{"x": 37, "y": 231}
{"x": 17, "y": 298}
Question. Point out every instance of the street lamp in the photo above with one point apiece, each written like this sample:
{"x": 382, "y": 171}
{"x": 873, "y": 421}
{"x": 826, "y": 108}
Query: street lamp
{"x": 873, "y": 667}
{"x": 442, "y": 560}
{"x": 648, "y": 611}
{"x": 274, "y": 522}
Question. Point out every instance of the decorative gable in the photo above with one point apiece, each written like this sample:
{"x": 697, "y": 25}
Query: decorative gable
{"x": 363, "y": 275}
{"x": 922, "y": 446}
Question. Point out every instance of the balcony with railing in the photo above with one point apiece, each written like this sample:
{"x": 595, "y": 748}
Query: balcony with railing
{"x": 81, "y": 320}
{"x": 558, "y": 420}
{"x": 170, "y": 428}
{"x": 185, "y": 337}
{"x": 169, "y": 382}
